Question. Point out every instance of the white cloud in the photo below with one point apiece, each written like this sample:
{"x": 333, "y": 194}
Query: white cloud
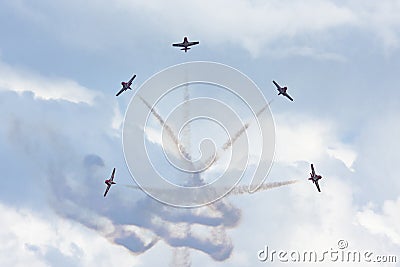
{"x": 306, "y": 51}
{"x": 378, "y": 155}
{"x": 255, "y": 24}
{"x": 303, "y": 138}
{"x": 344, "y": 154}
{"x": 295, "y": 27}
{"x": 287, "y": 27}
{"x": 249, "y": 24}
{"x": 384, "y": 223}
{"x": 29, "y": 239}
{"x": 20, "y": 80}
{"x": 380, "y": 17}
{"x": 301, "y": 219}
{"x": 118, "y": 119}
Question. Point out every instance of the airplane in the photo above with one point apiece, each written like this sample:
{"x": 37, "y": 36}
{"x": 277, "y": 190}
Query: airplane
{"x": 314, "y": 177}
{"x": 126, "y": 85}
{"x": 282, "y": 90}
{"x": 109, "y": 182}
{"x": 185, "y": 44}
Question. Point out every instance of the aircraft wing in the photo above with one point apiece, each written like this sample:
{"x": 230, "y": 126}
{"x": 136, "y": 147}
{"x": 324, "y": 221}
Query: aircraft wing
{"x": 288, "y": 96}
{"x": 276, "y": 84}
{"x": 312, "y": 169}
{"x": 317, "y": 185}
{"x": 120, "y": 92}
{"x": 108, "y": 188}
{"x": 131, "y": 80}
{"x": 193, "y": 43}
{"x": 178, "y": 44}
{"x": 112, "y": 175}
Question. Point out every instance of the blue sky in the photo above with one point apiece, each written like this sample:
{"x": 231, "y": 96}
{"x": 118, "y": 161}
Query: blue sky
{"x": 60, "y": 135}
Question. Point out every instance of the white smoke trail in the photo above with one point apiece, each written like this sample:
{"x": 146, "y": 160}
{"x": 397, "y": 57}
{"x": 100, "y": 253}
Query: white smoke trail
{"x": 186, "y": 133}
{"x": 232, "y": 140}
{"x": 169, "y": 130}
{"x": 181, "y": 257}
{"x": 219, "y": 246}
{"x": 238, "y": 190}
{"x": 244, "y": 189}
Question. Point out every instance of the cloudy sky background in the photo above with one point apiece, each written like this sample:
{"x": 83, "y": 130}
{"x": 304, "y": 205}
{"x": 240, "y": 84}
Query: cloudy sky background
{"x": 62, "y": 62}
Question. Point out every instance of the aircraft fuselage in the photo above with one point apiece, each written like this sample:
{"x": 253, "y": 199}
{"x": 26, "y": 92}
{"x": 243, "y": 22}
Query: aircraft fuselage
{"x": 109, "y": 182}
{"x": 125, "y": 85}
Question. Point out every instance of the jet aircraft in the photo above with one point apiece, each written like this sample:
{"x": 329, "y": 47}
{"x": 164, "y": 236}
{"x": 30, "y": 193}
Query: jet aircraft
{"x": 126, "y": 85}
{"x": 282, "y": 90}
{"x": 109, "y": 182}
{"x": 185, "y": 44}
{"x": 315, "y": 177}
